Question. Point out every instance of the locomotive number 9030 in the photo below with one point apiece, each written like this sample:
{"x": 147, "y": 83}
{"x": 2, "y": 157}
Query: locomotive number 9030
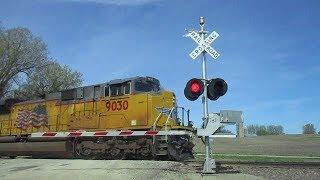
{"x": 117, "y": 105}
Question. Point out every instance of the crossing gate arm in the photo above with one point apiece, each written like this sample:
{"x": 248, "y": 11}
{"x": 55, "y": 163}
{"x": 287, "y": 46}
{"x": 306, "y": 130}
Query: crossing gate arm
{"x": 109, "y": 133}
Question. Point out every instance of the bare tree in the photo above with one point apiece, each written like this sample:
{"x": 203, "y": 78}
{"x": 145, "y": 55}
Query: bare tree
{"x": 309, "y": 129}
{"x": 50, "y": 78}
{"x": 20, "y": 53}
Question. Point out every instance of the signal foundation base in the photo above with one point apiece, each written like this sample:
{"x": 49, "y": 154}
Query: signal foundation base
{"x": 209, "y": 166}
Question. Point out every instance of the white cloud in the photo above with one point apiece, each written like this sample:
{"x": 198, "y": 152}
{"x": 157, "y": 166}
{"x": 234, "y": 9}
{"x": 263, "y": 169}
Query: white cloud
{"x": 117, "y": 2}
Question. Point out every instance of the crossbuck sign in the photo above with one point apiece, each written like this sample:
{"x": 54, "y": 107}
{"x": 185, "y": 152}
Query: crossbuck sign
{"x": 203, "y": 45}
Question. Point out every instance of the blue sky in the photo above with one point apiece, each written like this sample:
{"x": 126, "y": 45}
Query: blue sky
{"x": 269, "y": 49}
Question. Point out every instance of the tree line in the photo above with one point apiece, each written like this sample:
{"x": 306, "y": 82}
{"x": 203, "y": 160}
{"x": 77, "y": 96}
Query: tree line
{"x": 262, "y": 130}
{"x": 26, "y": 70}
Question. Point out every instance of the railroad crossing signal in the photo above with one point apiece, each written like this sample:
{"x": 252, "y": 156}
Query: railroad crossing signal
{"x": 211, "y": 89}
{"x": 203, "y": 45}
{"x": 215, "y": 88}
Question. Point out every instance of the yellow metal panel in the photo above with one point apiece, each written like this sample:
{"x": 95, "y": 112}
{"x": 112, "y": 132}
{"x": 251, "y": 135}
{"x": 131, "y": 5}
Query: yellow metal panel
{"x": 135, "y": 111}
{"x": 5, "y": 125}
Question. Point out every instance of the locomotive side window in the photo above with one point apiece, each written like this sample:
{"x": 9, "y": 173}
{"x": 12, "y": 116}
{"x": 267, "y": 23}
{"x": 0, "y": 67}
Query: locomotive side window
{"x": 120, "y": 89}
{"x": 69, "y": 94}
{"x": 106, "y": 91}
{"x": 97, "y": 92}
{"x": 126, "y": 88}
{"x": 115, "y": 90}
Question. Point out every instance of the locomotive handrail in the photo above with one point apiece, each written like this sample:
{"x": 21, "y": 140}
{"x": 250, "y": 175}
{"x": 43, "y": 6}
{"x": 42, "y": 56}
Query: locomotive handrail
{"x": 183, "y": 111}
{"x": 169, "y": 117}
{"x": 157, "y": 119}
{"x": 182, "y": 118}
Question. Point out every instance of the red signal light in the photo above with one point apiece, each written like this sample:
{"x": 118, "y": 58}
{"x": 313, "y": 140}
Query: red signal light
{"x": 193, "y": 89}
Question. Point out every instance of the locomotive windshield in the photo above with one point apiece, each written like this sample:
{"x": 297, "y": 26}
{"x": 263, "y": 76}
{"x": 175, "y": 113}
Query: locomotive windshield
{"x": 126, "y": 86}
{"x": 147, "y": 85}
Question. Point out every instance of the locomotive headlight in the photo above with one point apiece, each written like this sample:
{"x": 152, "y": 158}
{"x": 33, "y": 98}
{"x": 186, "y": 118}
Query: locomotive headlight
{"x": 133, "y": 122}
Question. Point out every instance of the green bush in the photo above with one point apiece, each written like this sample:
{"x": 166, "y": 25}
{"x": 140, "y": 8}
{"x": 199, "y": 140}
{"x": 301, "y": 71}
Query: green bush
{"x": 262, "y": 132}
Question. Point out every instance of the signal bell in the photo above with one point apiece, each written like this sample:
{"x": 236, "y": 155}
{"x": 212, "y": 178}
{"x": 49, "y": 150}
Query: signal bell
{"x": 215, "y": 88}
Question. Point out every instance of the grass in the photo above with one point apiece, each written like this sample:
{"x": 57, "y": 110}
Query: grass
{"x": 264, "y": 149}
{"x": 283, "y": 145}
{"x": 240, "y": 158}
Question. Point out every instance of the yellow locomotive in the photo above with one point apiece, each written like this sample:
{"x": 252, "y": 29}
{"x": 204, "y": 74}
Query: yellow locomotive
{"x": 125, "y": 118}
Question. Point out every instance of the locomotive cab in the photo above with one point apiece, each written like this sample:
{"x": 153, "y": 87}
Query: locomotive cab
{"x": 138, "y": 103}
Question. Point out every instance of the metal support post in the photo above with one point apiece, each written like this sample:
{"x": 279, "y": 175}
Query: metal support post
{"x": 209, "y": 126}
{"x": 209, "y": 164}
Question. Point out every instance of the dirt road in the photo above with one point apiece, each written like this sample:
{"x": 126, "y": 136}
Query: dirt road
{"x": 101, "y": 169}
{"x": 276, "y": 172}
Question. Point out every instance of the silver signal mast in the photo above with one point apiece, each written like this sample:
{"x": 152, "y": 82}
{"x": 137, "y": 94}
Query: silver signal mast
{"x": 204, "y": 42}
